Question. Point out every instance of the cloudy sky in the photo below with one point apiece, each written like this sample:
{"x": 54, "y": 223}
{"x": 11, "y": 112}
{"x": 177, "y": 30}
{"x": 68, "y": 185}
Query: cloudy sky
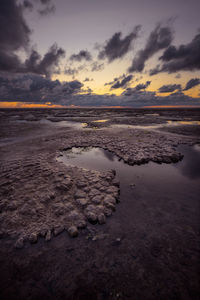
{"x": 99, "y": 53}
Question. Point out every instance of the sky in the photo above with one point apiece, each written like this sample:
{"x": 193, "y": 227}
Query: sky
{"x": 99, "y": 53}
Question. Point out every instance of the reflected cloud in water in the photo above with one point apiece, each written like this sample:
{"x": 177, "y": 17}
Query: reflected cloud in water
{"x": 190, "y": 166}
{"x": 99, "y": 159}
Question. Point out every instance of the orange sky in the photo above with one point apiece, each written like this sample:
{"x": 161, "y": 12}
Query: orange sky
{"x": 27, "y": 105}
{"x": 32, "y": 105}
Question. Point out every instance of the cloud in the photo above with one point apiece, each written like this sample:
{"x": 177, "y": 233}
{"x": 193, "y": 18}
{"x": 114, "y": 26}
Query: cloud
{"x": 182, "y": 58}
{"x": 14, "y": 33}
{"x": 36, "y": 88}
{"x": 142, "y": 86}
{"x": 137, "y": 90}
{"x": 71, "y": 71}
{"x": 122, "y": 83}
{"x": 116, "y": 47}
{"x": 45, "y": 1}
{"x": 88, "y": 79}
{"x": 10, "y": 61}
{"x": 160, "y": 38}
{"x": 15, "y": 36}
{"x": 46, "y": 6}
{"x": 82, "y": 55}
{"x": 120, "y": 78}
{"x": 115, "y": 79}
{"x": 95, "y": 67}
{"x": 154, "y": 71}
{"x": 49, "y": 9}
{"x": 192, "y": 83}
{"x": 135, "y": 98}
{"x": 28, "y": 4}
{"x": 74, "y": 71}
{"x": 47, "y": 65}
{"x": 169, "y": 88}
{"x": 139, "y": 95}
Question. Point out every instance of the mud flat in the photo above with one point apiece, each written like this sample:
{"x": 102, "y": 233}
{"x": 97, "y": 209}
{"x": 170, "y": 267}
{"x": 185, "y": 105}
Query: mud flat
{"x": 77, "y": 232}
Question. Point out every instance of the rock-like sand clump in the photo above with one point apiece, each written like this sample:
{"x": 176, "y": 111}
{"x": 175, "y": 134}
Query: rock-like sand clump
{"x": 40, "y": 196}
{"x": 66, "y": 198}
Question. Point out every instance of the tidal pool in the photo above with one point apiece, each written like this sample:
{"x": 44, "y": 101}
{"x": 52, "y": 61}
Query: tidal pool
{"x": 149, "y": 181}
{"x": 158, "y": 202}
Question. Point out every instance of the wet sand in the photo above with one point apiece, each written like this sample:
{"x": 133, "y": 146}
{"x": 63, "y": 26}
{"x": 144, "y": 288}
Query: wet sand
{"x": 148, "y": 247}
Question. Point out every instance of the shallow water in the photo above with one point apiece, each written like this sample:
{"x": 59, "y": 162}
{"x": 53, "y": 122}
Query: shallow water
{"x": 74, "y": 125}
{"x": 156, "y": 126}
{"x": 80, "y": 125}
{"x": 148, "y": 249}
{"x": 101, "y": 121}
{"x": 150, "y": 177}
{"x": 177, "y": 123}
{"x": 155, "y": 199}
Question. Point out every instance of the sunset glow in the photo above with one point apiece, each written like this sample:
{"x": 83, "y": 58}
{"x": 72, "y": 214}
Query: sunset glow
{"x": 118, "y": 56}
{"x": 28, "y": 105}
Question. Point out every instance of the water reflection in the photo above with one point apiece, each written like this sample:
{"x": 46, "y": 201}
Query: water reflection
{"x": 190, "y": 166}
{"x": 175, "y": 123}
{"x": 150, "y": 193}
{"x": 100, "y": 159}
{"x": 100, "y": 121}
{"x": 109, "y": 155}
{"x": 56, "y": 123}
{"x": 156, "y": 126}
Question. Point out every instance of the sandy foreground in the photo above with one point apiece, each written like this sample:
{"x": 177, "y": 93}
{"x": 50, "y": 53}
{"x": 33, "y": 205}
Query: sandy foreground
{"x": 73, "y": 233}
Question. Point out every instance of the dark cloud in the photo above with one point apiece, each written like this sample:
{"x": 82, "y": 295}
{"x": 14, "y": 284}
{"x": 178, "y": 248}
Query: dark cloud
{"x": 120, "y": 78}
{"x": 10, "y": 62}
{"x": 115, "y": 80}
{"x": 45, "y": 66}
{"x": 182, "y": 58}
{"x": 95, "y": 67}
{"x": 45, "y": 2}
{"x": 109, "y": 83}
{"x": 88, "y": 79}
{"x": 154, "y": 71}
{"x": 122, "y": 83}
{"x": 49, "y": 9}
{"x": 137, "y": 90}
{"x": 192, "y": 83}
{"x": 169, "y": 88}
{"x": 74, "y": 71}
{"x": 142, "y": 86}
{"x": 73, "y": 86}
{"x": 71, "y": 71}
{"x": 139, "y": 94}
{"x": 117, "y": 47}
{"x": 28, "y": 4}
{"x": 46, "y": 6}
{"x": 14, "y": 33}
{"x": 16, "y": 36}
{"x": 38, "y": 89}
{"x": 133, "y": 97}
{"x": 160, "y": 38}
{"x": 30, "y": 87}
{"x": 82, "y": 55}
